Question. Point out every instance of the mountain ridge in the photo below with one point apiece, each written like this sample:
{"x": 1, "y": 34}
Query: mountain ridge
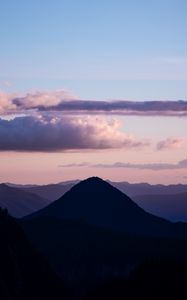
{"x": 19, "y": 202}
{"x": 140, "y": 193}
{"x": 99, "y": 203}
{"x": 95, "y": 232}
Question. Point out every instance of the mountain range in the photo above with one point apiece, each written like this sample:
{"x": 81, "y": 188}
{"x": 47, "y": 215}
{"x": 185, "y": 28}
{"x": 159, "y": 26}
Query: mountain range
{"x": 170, "y": 206}
{"x": 166, "y": 201}
{"x": 94, "y": 233}
{"x": 94, "y": 242}
{"x": 100, "y": 204}
{"x": 19, "y": 202}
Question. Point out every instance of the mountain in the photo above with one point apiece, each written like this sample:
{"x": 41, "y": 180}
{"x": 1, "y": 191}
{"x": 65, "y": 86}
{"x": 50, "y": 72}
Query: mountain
{"x": 73, "y": 182}
{"x": 54, "y": 191}
{"x": 20, "y": 203}
{"x": 137, "y": 189}
{"x": 24, "y": 274}
{"x": 160, "y": 200}
{"x": 20, "y": 185}
{"x": 141, "y": 193}
{"x": 172, "y": 207}
{"x": 95, "y": 232}
{"x": 98, "y": 203}
{"x": 50, "y": 191}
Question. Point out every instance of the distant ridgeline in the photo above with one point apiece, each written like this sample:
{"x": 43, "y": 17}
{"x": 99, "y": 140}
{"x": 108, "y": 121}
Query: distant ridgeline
{"x": 166, "y": 201}
{"x": 100, "y": 243}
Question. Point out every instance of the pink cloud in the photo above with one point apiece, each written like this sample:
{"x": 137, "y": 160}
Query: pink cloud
{"x": 45, "y": 99}
{"x": 6, "y": 103}
{"x": 57, "y": 133}
{"x": 15, "y": 103}
{"x": 171, "y": 143}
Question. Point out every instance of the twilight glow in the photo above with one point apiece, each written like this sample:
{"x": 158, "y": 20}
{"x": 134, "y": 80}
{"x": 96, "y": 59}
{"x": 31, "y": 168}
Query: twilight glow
{"x": 93, "y": 89}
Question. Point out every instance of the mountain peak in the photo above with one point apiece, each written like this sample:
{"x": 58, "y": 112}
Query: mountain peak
{"x": 93, "y": 180}
{"x": 93, "y": 186}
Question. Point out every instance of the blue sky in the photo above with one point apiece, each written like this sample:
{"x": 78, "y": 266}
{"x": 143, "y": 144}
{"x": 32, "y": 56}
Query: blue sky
{"x": 97, "y": 49}
{"x": 57, "y": 50}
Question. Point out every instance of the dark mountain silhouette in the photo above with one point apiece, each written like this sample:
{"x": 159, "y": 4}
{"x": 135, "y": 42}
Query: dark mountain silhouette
{"x": 95, "y": 232}
{"x": 98, "y": 203}
{"x": 24, "y": 274}
{"x": 159, "y": 195}
{"x": 18, "y": 202}
{"x": 131, "y": 189}
{"x": 165, "y": 201}
{"x": 172, "y": 207}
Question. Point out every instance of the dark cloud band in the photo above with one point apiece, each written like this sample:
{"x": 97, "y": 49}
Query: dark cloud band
{"x": 62, "y": 101}
{"x": 139, "y": 108}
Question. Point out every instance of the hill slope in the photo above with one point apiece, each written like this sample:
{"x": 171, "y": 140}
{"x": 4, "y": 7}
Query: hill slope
{"x": 172, "y": 207}
{"x": 20, "y": 203}
{"x": 136, "y": 189}
{"x": 49, "y": 191}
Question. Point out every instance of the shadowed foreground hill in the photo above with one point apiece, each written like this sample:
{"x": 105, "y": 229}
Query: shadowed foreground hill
{"x": 152, "y": 280}
{"x": 86, "y": 256}
{"x": 24, "y": 274}
{"x": 18, "y": 202}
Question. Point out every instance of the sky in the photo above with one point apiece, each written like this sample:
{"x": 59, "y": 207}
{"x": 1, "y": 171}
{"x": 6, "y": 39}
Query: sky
{"x": 93, "y": 88}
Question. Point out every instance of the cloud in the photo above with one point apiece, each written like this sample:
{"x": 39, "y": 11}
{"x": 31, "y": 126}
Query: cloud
{"x": 141, "y": 108}
{"x": 6, "y": 103}
{"x": 171, "y": 143}
{"x": 65, "y": 102}
{"x": 149, "y": 166}
{"x": 57, "y": 133}
{"x": 79, "y": 165}
{"x": 145, "y": 108}
{"x": 183, "y": 163}
{"x": 46, "y": 99}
